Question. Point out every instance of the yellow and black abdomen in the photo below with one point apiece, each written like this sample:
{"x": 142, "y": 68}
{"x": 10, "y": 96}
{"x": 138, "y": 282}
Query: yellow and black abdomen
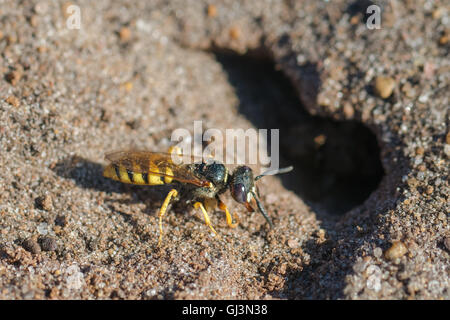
{"x": 155, "y": 175}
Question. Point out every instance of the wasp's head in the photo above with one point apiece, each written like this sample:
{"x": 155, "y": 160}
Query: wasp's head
{"x": 243, "y": 190}
{"x": 242, "y": 184}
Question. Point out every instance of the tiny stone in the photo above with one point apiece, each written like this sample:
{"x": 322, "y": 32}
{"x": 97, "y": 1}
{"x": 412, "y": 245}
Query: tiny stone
{"x": 42, "y": 228}
{"x": 412, "y": 182}
{"x": 374, "y": 282}
{"x": 13, "y": 77}
{"x": 447, "y": 138}
{"x": 437, "y": 13}
{"x": 429, "y": 190}
{"x": 128, "y": 86}
{"x": 408, "y": 90}
{"x": 420, "y": 151}
{"x": 349, "y": 112}
{"x": 320, "y": 140}
{"x": 447, "y": 243}
{"x": 125, "y": 34}
{"x": 422, "y": 167}
{"x": 11, "y": 39}
{"x": 397, "y": 250}
{"x": 48, "y": 243}
{"x": 447, "y": 150}
{"x": 235, "y": 33}
{"x": 14, "y": 101}
{"x": 292, "y": 243}
{"x": 61, "y": 221}
{"x": 442, "y": 216}
{"x": 45, "y": 203}
{"x": 34, "y": 21}
{"x": 31, "y": 246}
{"x": 377, "y": 252}
{"x": 212, "y": 11}
{"x": 354, "y": 20}
{"x": 384, "y": 86}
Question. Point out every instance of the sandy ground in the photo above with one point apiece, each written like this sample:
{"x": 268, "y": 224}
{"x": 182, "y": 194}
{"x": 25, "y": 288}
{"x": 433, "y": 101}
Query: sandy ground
{"x": 363, "y": 116}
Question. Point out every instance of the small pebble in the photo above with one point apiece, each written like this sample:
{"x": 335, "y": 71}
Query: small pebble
{"x": 44, "y": 202}
{"x": 355, "y": 19}
{"x": 447, "y": 138}
{"x": 125, "y": 34}
{"x": 377, "y": 252}
{"x": 437, "y": 13}
{"x": 292, "y": 243}
{"x": 31, "y": 246}
{"x": 61, "y": 221}
{"x": 320, "y": 140}
{"x": 42, "y": 228}
{"x": 235, "y": 33}
{"x": 349, "y": 112}
{"x": 13, "y": 77}
{"x": 34, "y": 21}
{"x": 212, "y": 11}
{"x": 397, "y": 250}
{"x": 12, "y": 100}
{"x": 429, "y": 190}
{"x": 128, "y": 86}
{"x": 11, "y": 39}
{"x": 447, "y": 243}
{"x": 420, "y": 151}
{"x": 48, "y": 243}
{"x": 384, "y": 86}
{"x": 447, "y": 150}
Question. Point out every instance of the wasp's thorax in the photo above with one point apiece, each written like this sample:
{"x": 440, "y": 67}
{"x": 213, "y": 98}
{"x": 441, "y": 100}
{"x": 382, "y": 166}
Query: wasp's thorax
{"x": 216, "y": 173}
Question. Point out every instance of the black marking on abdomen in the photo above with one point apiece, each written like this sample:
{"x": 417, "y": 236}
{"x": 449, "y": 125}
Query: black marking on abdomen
{"x": 116, "y": 168}
{"x": 130, "y": 175}
{"x": 145, "y": 177}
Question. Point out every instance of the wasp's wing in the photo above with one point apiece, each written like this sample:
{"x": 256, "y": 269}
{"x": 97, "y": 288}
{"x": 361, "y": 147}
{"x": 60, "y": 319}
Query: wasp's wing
{"x": 158, "y": 163}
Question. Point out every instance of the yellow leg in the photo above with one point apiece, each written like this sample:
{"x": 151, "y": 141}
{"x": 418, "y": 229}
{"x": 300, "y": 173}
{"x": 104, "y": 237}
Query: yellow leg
{"x": 230, "y": 223}
{"x": 162, "y": 211}
{"x": 205, "y": 214}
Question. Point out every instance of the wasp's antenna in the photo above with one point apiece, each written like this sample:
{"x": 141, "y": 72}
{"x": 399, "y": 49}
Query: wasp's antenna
{"x": 274, "y": 172}
{"x": 262, "y": 210}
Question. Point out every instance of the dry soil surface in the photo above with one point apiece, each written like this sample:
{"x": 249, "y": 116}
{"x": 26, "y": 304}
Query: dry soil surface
{"x": 363, "y": 116}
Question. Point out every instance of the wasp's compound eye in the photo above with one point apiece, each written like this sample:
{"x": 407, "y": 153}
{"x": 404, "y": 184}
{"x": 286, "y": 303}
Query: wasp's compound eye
{"x": 239, "y": 193}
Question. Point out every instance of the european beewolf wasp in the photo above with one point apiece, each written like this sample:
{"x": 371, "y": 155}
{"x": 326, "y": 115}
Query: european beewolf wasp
{"x": 195, "y": 181}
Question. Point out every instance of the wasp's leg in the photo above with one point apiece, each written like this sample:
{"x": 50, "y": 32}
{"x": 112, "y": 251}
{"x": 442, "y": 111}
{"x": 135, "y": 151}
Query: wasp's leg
{"x": 205, "y": 214}
{"x": 230, "y": 223}
{"x": 162, "y": 211}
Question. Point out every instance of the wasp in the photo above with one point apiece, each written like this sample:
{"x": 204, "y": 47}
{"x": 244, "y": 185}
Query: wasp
{"x": 197, "y": 182}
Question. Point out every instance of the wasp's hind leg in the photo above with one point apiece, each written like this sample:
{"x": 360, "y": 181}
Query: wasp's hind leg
{"x": 205, "y": 214}
{"x": 162, "y": 211}
{"x": 223, "y": 207}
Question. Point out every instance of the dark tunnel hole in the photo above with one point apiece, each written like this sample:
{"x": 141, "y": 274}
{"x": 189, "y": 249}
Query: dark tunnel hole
{"x": 337, "y": 163}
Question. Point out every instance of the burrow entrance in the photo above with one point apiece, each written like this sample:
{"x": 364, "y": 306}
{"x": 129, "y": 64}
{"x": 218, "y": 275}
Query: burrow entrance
{"x": 337, "y": 163}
